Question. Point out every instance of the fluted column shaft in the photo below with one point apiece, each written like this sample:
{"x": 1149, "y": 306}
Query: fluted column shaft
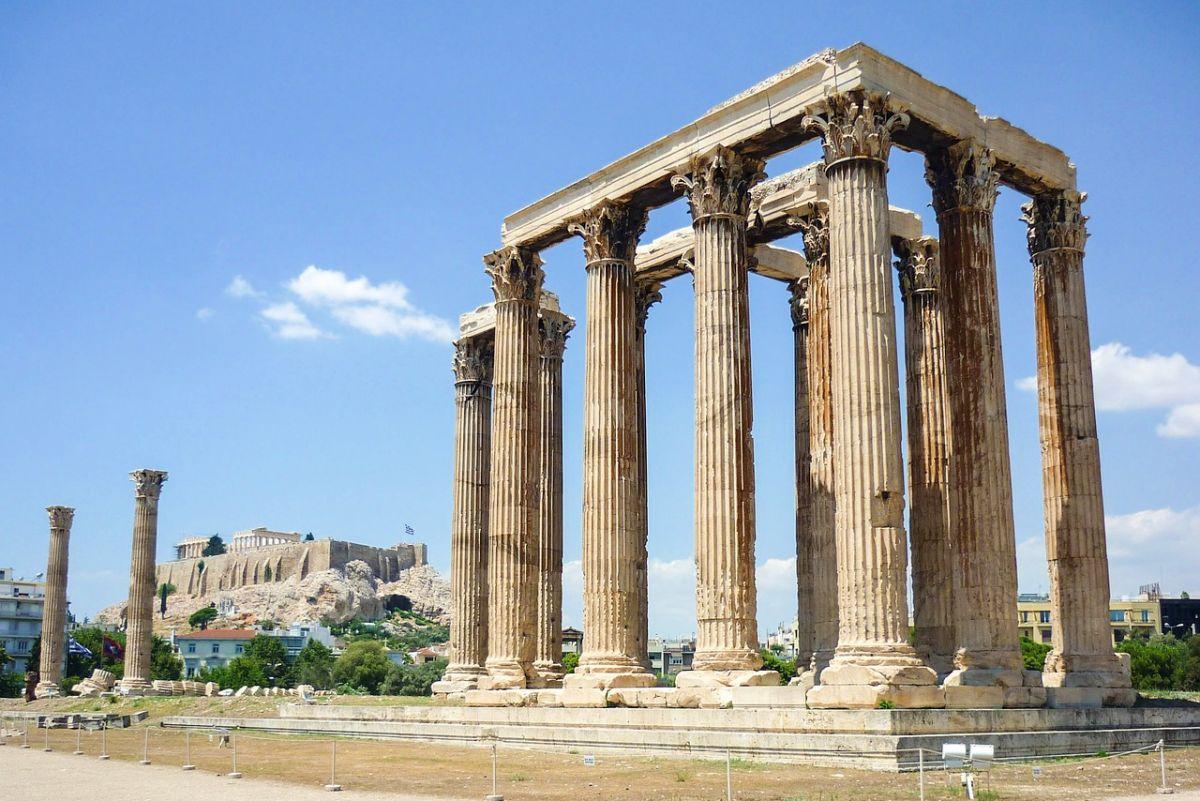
{"x": 469, "y": 523}
{"x": 1074, "y": 504}
{"x": 513, "y": 504}
{"x": 139, "y": 611}
{"x": 645, "y": 296}
{"x": 718, "y": 187}
{"x": 815, "y": 226}
{"x": 54, "y": 607}
{"x": 804, "y": 542}
{"x": 964, "y": 192}
{"x": 933, "y": 572}
{"x": 548, "y": 655}
{"x": 611, "y": 512}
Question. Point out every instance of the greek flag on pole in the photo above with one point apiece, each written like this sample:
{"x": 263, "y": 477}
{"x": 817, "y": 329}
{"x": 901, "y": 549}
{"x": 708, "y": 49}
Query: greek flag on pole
{"x": 75, "y": 648}
{"x": 409, "y": 530}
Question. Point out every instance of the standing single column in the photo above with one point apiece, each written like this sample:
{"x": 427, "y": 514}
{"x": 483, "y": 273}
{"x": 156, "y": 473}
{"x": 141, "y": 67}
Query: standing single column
{"x": 515, "y": 471}
{"x": 54, "y": 608}
{"x": 1081, "y": 668}
{"x": 548, "y": 657}
{"x": 611, "y": 547}
{"x": 963, "y": 179}
{"x": 718, "y": 186}
{"x": 139, "y": 611}
{"x": 469, "y": 521}
{"x": 933, "y": 573}
{"x": 815, "y": 228}
{"x": 873, "y": 661}
{"x": 646, "y": 294}
{"x": 798, "y": 303}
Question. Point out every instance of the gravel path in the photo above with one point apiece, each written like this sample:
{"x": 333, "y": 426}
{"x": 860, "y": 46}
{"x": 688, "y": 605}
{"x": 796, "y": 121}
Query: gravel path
{"x": 76, "y": 778}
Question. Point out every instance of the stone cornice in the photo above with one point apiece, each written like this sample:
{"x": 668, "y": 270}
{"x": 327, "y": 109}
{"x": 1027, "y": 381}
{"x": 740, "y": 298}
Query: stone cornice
{"x": 798, "y": 302}
{"x": 60, "y": 516}
{"x": 855, "y": 125}
{"x": 554, "y": 329}
{"x": 148, "y": 483}
{"x": 1056, "y": 222}
{"x": 918, "y": 265}
{"x": 719, "y": 182}
{"x": 516, "y": 274}
{"x": 962, "y": 176}
{"x": 472, "y": 361}
{"x": 610, "y": 231}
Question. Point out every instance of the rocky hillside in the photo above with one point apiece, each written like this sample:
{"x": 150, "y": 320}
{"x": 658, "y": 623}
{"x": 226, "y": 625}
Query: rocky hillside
{"x": 335, "y": 596}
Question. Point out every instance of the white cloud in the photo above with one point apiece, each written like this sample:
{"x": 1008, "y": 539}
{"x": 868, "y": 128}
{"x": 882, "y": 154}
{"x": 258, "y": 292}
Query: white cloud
{"x": 1125, "y": 381}
{"x": 1154, "y": 545}
{"x": 376, "y": 309}
{"x": 204, "y": 314}
{"x": 287, "y": 321}
{"x": 240, "y": 288}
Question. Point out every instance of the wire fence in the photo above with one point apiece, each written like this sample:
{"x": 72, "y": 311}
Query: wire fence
{"x": 495, "y": 771}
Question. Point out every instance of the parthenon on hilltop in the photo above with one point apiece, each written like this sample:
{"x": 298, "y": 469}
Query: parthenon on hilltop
{"x": 853, "y": 537}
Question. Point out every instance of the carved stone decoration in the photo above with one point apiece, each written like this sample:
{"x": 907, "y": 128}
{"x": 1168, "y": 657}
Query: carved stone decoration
{"x": 962, "y": 176}
{"x": 516, "y": 273}
{"x": 917, "y": 264}
{"x": 554, "y": 330}
{"x": 855, "y": 125}
{"x": 814, "y": 227}
{"x": 1056, "y": 221}
{"x": 719, "y": 182}
{"x": 473, "y": 359}
{"x": 646, "y": 294}
{"x": 148, "y": 483}
{"x": 610, "y": 231}
{"x": 798, "y": 302}
{"x": 60, "y": 516}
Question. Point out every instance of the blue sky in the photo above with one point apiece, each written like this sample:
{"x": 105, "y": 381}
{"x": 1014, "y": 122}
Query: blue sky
{"x": 193, "y": 191}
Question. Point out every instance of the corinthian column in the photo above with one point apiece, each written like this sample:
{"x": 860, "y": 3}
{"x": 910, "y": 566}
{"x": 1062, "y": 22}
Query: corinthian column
{"x": 548, "y": 654}
{"x": 513, "y": 507}
{"x": 54, "y": 609}
{"x": 822, "y": 543}
{"x": 645, "y": 295}
{"x": 933, "y": 572}
{"x": 798, "y": 303}
{"x": 469, "y": 523}
{"x": 1082, "y": 654}
{"x": 873, "y": 661}
{"x": 718, "y": 186}
{"x": 964, "y": 180}
{"x": 611, "y": 547}
{"x": 139, "y": 611}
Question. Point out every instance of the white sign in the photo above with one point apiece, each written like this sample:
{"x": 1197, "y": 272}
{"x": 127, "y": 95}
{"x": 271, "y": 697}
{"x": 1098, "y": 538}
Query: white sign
{"x": 954, "y": 754}
{"x": 589, "y": 760}
{"x": 1037, "y": 772}
{"x": 982, "y": 756}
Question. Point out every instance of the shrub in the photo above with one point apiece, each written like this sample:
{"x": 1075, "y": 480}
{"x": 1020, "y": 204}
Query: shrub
{"x": 570, "y": 661}
{"x": 1034, "y": 654}
{"x": 413, "y": 679}
{"x": 785, "y": 667}
{"x": 1158, "y": 663}
{"x": 364, "y": 664}
{"x": 314, "y": 666}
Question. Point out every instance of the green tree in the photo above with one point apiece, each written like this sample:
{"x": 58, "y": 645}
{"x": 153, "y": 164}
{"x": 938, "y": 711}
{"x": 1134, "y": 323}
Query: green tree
{"x": 1191, "y": 667}
{"x": 314, "y": 665}
{"x": 163, "y": 662}
{"x": 363, "y": 665}
{"x": 1034, "y": 654}
{"x": 202, "y": 617}
{"x": 215, "y": 546}
{"x": 570, "y": 661}
{"x": 309, "y": 537}
{"x": 267, "y": 573}
{"x": 245, "y": 672}
{"x": 786, "y": 668}
{"x": 413, "y": 679}
{"x": 4, "y": 657}
{"x": 1157, "y": 663}
{"x": 219, "y": 675}
{"x": 271, "y": 656}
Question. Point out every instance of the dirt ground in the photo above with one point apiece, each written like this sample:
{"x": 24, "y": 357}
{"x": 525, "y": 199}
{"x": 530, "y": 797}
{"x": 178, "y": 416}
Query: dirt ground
{"x": 434, "y": 770}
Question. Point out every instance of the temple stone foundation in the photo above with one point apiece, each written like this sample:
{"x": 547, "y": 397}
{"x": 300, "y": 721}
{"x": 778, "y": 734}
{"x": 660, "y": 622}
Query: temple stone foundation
{"x": 868, "y": 504}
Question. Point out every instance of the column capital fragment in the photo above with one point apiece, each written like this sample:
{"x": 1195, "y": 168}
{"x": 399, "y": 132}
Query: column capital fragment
{"x": 610, "y": 231}
{"x": 60, "y": 516}
{"x": 918, "y": 265}
{"x": 798, "y": 301}
{"x": 1056, "y": 221}
{"x": 962, "y": 176}
{"x": 516, "y": 273}
{"x": 718, "y": 183}
{"x": 814, "y": 227}
{"x": 554, "y": 329}
{"x": 855, "y": 125}
{"x": 148, "y": 483}
{"x": 472, "y": 361}
{"x": 645, "y": 295}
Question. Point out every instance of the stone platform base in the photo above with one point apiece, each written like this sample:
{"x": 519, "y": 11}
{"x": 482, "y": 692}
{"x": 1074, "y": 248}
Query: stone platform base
{"x": 877, "y": 739}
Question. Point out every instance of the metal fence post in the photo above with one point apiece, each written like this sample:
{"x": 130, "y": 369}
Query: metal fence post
{"x": 104, "y": 740}
{"x": 333, "y": 786}
{"x": 145, "y": 760}
{"x": 78, "y": 737}
{"x": 495, "y": 796}
{"x": 187, "y": 750}
{"x": 25, "y": 744}
{"x": 1162, "y": 768}
{"x": 728, "y": 776}
{"x": 46, "y": 745}
{"x": 921, "y": 770}
{"x": 234, "y": 774}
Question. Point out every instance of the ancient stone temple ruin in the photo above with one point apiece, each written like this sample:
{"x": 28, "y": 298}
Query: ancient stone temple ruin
{"x": 857, "y": 516}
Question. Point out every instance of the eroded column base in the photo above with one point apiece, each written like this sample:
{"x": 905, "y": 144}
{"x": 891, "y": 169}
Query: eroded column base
{"x": 850, "y": 685}
{"x": 507, "y": 675}
{"x": 727, "y": 678}
{"x": 47, "y": 689}
{"x": 630, "y": 677}
{"x": 134, "y": 687}
{"x": 549, "y": 673}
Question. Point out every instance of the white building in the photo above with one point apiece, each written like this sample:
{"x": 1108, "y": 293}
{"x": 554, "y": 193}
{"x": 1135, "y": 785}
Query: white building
{"x": 21, "y": 603}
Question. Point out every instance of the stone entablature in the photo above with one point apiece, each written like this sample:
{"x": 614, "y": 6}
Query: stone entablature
{"x": 261, "y": 537}
{"x": 280, "y": 562}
